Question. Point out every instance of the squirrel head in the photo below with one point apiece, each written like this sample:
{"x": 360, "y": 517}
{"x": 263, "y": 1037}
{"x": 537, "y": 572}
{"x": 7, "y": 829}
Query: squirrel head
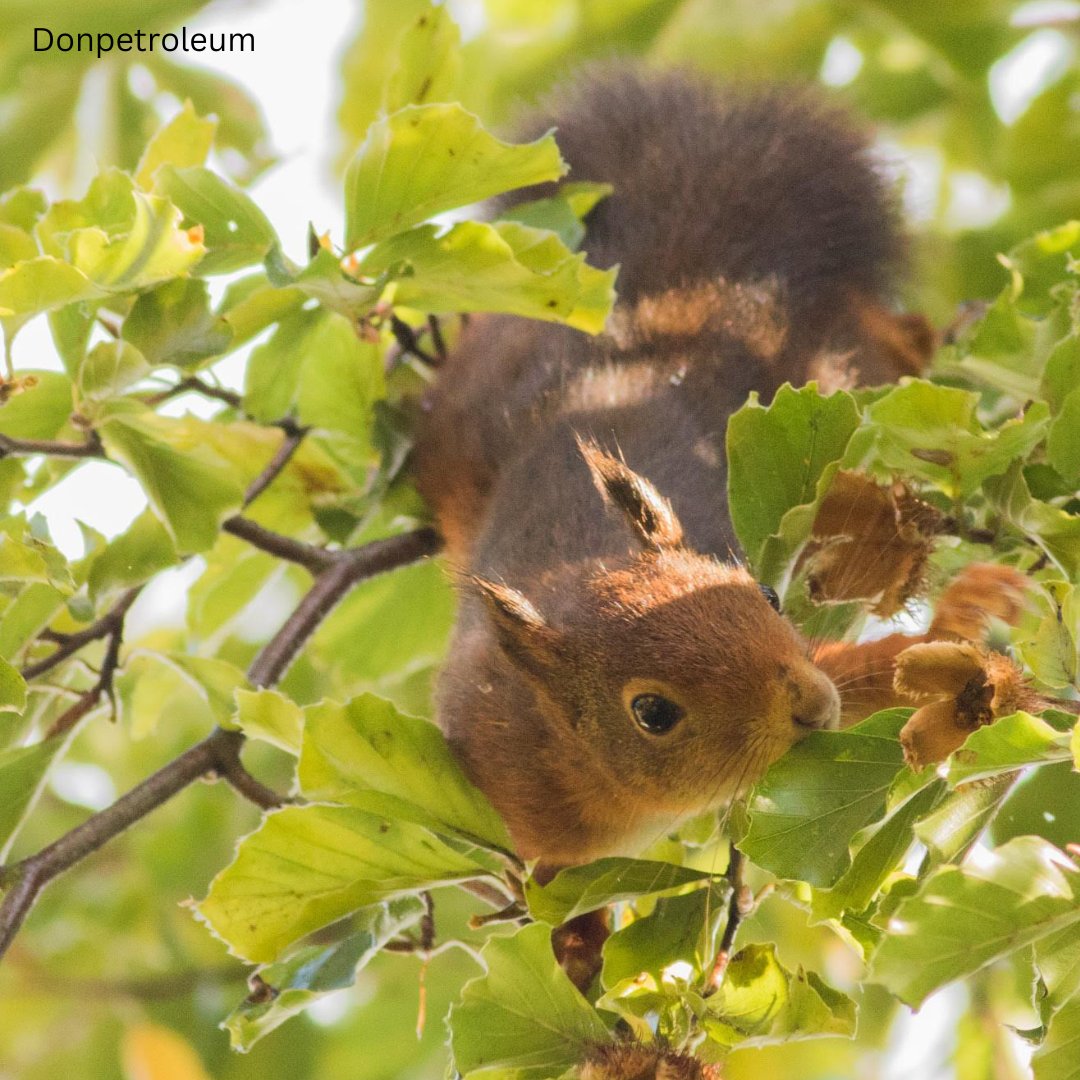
{"x": 669, "y": 671}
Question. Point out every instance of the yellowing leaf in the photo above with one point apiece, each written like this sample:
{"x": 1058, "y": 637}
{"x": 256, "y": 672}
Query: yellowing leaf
{"x": 185, "y": 140}
{"x": 153, "y": 1052}
{"x": 425, "y": 159}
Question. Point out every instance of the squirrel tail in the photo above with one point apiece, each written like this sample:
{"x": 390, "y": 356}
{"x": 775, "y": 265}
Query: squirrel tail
{"x": 758, "y": 184}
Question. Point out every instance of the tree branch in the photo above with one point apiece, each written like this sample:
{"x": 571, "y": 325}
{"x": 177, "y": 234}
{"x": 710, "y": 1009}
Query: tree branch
{"x": 92, "y": 448}
{"x": 309, "y": 556}
{"x": 219, "y": 753}
{"x": 739, "y": 905}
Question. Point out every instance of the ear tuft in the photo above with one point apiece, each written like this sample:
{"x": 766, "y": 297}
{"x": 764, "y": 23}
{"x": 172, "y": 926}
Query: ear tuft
{"x": 524, "y": 634}
{"x": 648, "y": 512}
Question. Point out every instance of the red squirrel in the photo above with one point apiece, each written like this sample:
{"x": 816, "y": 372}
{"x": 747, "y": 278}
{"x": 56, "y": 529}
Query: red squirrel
{"x": 615, "y": 667}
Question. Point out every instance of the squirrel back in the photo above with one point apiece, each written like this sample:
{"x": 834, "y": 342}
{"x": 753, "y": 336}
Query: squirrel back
{"x": 614, "y": 666}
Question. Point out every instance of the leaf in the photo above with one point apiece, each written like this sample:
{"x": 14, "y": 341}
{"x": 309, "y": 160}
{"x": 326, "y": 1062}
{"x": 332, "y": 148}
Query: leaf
{"x": 931, "y": 432}
{"x": 876, "y": 851}
{"x": 760, "y": 1002}
{"x": 120, "y": 238}
{"x": 184, "y": 141}
{"x": 133, "y": 557}
{"x": 428, "y": 61}
{"x": 42, "y": 284}
{"x": 781, "y": 459}
{"x": 153, "y": 1052}
{"x": 962, "y": 815}
{"x": 1059, "y": 1057}
{"x": 425, "y": 159}
{"x": 1055, "y": 531}
{"x": 187, "y": 482}
{"x": 562, "y": 213}
{"x": 272, "y": 374}
{"x": 808, "y": 806}
{"x": 1063, "y": 441}
{"x": 173, "y": 324}
{"x": 367, "y": 754}
{"x": 108, "y": 369}
{"x": 1052, "y": 653}
{"x": 12, "y": 688}
{"x": 307, "y": 866}
{"x": 523, "y": 1020}
{"x": 681, "y": 929}
{"x": 22, "y": 777}
{"x": 41, "y": 411}
{"x": 1057, "y": 960}
{"x": 270, "y": 716}
{"x": 578, "y": 889}
{"x": 340, "y": 379}
{"x": 1005, "y": 745}
{"x": 317, "y": 970}
{"x": 504, "y": 267}
{"x": 967, "y": 916}
{"x": 236, "y": 233}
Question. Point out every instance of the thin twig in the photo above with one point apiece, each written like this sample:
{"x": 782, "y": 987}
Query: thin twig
{"x": 293, "y": 437}
{"x": 348, "y": 569}
{"x": 219, "y": 753}
{"x": 309, "y": 556}
{"x": 92, "y": 448}
{"x": 194, "y": 385}
{"x": 409, "y": 341}
{"x": 68, "y": 644}
{"x": 739, "y": 905}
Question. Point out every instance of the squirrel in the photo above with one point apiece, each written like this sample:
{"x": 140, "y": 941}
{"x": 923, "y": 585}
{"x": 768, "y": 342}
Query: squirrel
{"x": 615, "y": 667}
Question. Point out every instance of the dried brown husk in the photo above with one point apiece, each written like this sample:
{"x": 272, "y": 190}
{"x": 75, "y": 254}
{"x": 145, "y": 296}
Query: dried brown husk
{"x": 636, "y": 1061}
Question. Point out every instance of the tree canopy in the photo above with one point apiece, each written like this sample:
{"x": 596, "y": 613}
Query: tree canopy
{"x": 343, "y": 881}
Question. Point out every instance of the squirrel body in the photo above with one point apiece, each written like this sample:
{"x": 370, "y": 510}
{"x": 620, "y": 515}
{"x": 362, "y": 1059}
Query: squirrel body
{"x": 614, "y": 667}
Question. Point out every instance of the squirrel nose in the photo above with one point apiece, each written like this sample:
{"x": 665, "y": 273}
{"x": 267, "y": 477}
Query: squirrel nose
{"x": 816, "y": 704}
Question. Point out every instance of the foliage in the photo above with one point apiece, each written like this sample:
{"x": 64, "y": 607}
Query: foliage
{"x": 387, "y": 880}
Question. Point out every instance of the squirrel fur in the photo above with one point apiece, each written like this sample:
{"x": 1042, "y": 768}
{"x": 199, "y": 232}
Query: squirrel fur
{"x": 580, "y": 482}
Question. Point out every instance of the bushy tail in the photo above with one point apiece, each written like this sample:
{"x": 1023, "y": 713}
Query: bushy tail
{"x": 745, "y": 183}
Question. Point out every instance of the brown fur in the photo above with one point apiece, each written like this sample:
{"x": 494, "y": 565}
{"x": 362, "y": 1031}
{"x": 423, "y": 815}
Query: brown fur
{"x": 754, "y": 238}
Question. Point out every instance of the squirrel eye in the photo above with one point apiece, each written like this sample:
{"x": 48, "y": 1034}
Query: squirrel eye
{"x": 655, "y": 714}
{"x": 771, "y": 595}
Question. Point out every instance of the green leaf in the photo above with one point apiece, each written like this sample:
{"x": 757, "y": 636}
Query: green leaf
{"x": 316, "y": 970}
{"x": 367, "y": 754}
{"x": 1055, "y": 531}
{"x": 270, "y": 716}
{"x": 22, "y": 776}
{"x": 503, "y": 267}
{"x": 1057, "y": 960}
{"x": 563, "y": 213}
{"x": 133, "y": 557}
{"x": 808, "y": 806}
{"x": 184, "y": 141}
{"x": 963, "y": 814}
{"x": 40, "y": 411}
{"x": 31, "y": 559}
{"x": 781, "y": 459}
{"x": 108, "y": 369}
{"x": 425, "y": 159}
{"x": 12, "y": 688}
{"x": 26, "y": 616}
{"x": 1059, "y": 1057}
{"x": 187, "y": 482}
{"x": 1063, "y": 441}
{"x": 307, "y": 866}
{"x": 760, "y": 1002}
{"x": 681, "y": 929}
{"x": 428, "y": 61}
{"x": 121, "y": 238}
{"x": 1005, "y": 745}
{"x": 523, "y": 1020}
{"x": 42, "y": 284}
{"x": 173, "y": 324}
{"x": 1052, "y": 653}
{"x": 340, "y": 379}
{"x": 967, "y": 916}
{"x": 932, "y": 432}
{"x": 578, "y": 889}
{"x": 876, "y": 851}
{"x": 272, "y": 374}
{"x": 236, "y": 233}
{"x": 1061, "y": 375}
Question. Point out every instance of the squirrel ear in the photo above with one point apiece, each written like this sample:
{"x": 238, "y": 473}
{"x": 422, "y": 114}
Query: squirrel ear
{"x": 648, "y": 512}
{"x": 524, "y": 634}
